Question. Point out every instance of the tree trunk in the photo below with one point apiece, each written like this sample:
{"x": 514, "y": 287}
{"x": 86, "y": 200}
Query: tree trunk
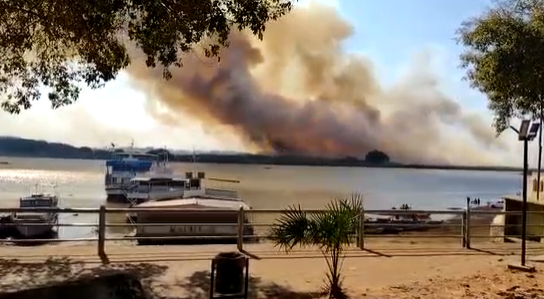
{"x": 334, "y": 288}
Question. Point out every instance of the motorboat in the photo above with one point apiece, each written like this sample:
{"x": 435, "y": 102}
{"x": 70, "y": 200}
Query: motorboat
{"x": 31, "y": 224}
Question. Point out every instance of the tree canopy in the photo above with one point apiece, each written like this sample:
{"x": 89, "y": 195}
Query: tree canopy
{"x": 504, "y": 58}
{"x": 62, "y": 45}
{"x": 377, "y": 157}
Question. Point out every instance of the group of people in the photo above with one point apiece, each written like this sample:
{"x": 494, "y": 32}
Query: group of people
{"x": 475, "y": 201}
{"x": 403, "y": 206}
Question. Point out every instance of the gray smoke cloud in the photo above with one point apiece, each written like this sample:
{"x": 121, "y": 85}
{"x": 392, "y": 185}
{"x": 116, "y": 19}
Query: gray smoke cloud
{"x": 297, "y": 91}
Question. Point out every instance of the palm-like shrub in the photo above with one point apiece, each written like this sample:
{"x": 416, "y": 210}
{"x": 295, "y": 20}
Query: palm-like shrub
{"x": 331, "y": 231}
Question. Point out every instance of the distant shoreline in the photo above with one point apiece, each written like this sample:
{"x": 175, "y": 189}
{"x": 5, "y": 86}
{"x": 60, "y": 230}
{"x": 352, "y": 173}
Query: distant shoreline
{"x": 30, "y": 148}
{"x": 277, "y": 161}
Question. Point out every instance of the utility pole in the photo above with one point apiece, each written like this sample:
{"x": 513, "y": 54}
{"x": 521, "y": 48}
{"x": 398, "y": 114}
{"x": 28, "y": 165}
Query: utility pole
{"x": 524, "y": 205}
{"x": 527, "y": 132}
{"x": 539, "y": 166}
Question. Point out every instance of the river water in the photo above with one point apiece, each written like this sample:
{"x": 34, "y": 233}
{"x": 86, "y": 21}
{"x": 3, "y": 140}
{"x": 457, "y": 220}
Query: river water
{"x": 80, "y": 184}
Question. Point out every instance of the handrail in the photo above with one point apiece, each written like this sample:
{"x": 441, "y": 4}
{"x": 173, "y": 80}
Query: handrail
{"x": 258, "y": 211}
{"x": 240, "y": 231}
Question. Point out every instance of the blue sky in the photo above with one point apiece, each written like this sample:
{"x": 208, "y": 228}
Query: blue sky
{"x": 391, "y": 32}
{"x": 388, "y": 32}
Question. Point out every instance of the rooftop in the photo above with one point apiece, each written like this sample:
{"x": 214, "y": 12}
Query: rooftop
{"x": 530, "y": 198}
{"x": 196, "y": 201}
{"x": 38, "y": 196}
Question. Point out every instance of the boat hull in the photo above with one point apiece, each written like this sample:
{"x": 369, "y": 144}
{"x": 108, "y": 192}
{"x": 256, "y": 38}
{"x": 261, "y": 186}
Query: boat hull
{"x": 116, "y": 195}
{"x": 45, "y": 230}
{"x": 191, "y": 227}
{"x": 155, "y": 196}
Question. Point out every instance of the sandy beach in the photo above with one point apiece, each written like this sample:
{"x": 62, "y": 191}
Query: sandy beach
{"x": 401, "y": 269}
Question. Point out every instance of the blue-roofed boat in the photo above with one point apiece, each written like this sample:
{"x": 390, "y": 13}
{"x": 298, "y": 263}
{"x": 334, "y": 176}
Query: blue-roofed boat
{"x": 122, "y": 168}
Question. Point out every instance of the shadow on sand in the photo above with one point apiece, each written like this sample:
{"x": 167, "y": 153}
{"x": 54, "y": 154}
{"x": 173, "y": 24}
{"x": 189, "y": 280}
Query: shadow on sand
{"x": 197, "y": 286}
{"x": 59, "y": 272}
{"x": 28, "y": 275}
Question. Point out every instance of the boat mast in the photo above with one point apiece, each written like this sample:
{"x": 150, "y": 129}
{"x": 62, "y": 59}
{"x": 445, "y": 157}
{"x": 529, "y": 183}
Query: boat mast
{"x": 131, "y": 153}
{"x": 166, "y": 157}
{"x": 193, "y": 161}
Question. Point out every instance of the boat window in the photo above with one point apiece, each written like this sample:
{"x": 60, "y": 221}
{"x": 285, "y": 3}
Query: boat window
{"x": 36, "y": 203}
{"x": 120, "y": 156}
{"x": 145, "y": 157}
{"x": 179, "y": 184}
{"x": 194, "y": 183}
{"x": 160, "y": 183}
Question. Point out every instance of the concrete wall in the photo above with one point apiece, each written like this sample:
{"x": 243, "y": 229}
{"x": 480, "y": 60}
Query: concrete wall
{"x": 497, "y": 232}
{"x": 513, "y": 223}
{"x": 535, "y": 222}
{"x": 110, "y": 286}
{"x": 533, "y": 189}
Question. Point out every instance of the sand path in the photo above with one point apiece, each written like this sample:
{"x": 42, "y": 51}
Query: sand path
{"x": 408, "y": 269}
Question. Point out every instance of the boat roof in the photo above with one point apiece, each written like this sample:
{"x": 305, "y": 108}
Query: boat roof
{"x": 29, "y": 214}
{"x": 132, "y": 153}
{"x": 130, "y": 163}
{"x": 39, "y": 196}
{"x": 207, "y": 202}
{"x": 157, "y": 178}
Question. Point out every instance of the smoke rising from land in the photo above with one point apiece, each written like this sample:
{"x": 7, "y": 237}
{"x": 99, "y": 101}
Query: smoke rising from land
{"x": 298, "y": 92}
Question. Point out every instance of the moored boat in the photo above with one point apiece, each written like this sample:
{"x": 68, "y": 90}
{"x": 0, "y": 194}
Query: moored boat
{"x": 160, "y": 183}
{"x": 196, "y": 220}
{"x": 121, "y": 169}
{"x": 34, "y": 225}
{"x": 407, "y": 216}
{"x": 201, "y": 215}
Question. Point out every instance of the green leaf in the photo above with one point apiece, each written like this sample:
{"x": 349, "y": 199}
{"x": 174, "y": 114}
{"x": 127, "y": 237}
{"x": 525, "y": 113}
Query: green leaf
{"x": 63, "y": 45}
{"x": 503, "y": 57}
{"x": 330, "y": 230}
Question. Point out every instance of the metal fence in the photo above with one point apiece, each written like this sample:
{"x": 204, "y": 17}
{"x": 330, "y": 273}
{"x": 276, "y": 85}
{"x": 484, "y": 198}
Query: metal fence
{"x": 463, "y": 225}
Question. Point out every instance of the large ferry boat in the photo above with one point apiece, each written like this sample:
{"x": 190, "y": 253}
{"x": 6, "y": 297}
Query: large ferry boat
{"x": 122, "y": 168}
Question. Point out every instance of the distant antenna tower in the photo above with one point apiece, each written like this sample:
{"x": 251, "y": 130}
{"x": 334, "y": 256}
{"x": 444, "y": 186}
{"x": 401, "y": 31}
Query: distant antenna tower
{"x": 194, "y": 158}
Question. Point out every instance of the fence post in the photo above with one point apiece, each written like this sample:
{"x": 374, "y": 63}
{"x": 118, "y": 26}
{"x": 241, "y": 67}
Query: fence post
{"x": 102, "y": 231}
{"x": 241, "y": 225}
{"x": 463, "y": 229}
{"x": 467, "y": 228}
{"x": 361, "y": 232}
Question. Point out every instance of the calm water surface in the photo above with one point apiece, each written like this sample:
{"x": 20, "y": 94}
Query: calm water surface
{"x": 80, "y": 184}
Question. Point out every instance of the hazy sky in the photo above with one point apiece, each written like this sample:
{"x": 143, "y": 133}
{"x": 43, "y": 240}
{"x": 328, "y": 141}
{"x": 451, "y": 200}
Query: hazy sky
{"x": 390, "y": 33}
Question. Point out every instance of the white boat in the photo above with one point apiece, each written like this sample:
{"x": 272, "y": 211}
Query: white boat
{"x": 216, "y": 219}
{"x": 205, "y": 211}
{"x": 32, "y": 224}
{"x": 161, "y": 183}
{"x": 123, "y": 167}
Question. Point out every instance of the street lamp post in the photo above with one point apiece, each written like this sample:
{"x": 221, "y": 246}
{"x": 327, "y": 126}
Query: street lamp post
{"x": 527, "y": 132}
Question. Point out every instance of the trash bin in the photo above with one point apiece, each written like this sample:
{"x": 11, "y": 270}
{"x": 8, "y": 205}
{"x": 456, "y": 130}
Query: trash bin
{"x": 229, "y": 272}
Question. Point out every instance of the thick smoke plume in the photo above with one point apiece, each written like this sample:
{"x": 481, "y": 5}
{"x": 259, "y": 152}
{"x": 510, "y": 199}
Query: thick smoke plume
{"x": 298, "y": 92}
